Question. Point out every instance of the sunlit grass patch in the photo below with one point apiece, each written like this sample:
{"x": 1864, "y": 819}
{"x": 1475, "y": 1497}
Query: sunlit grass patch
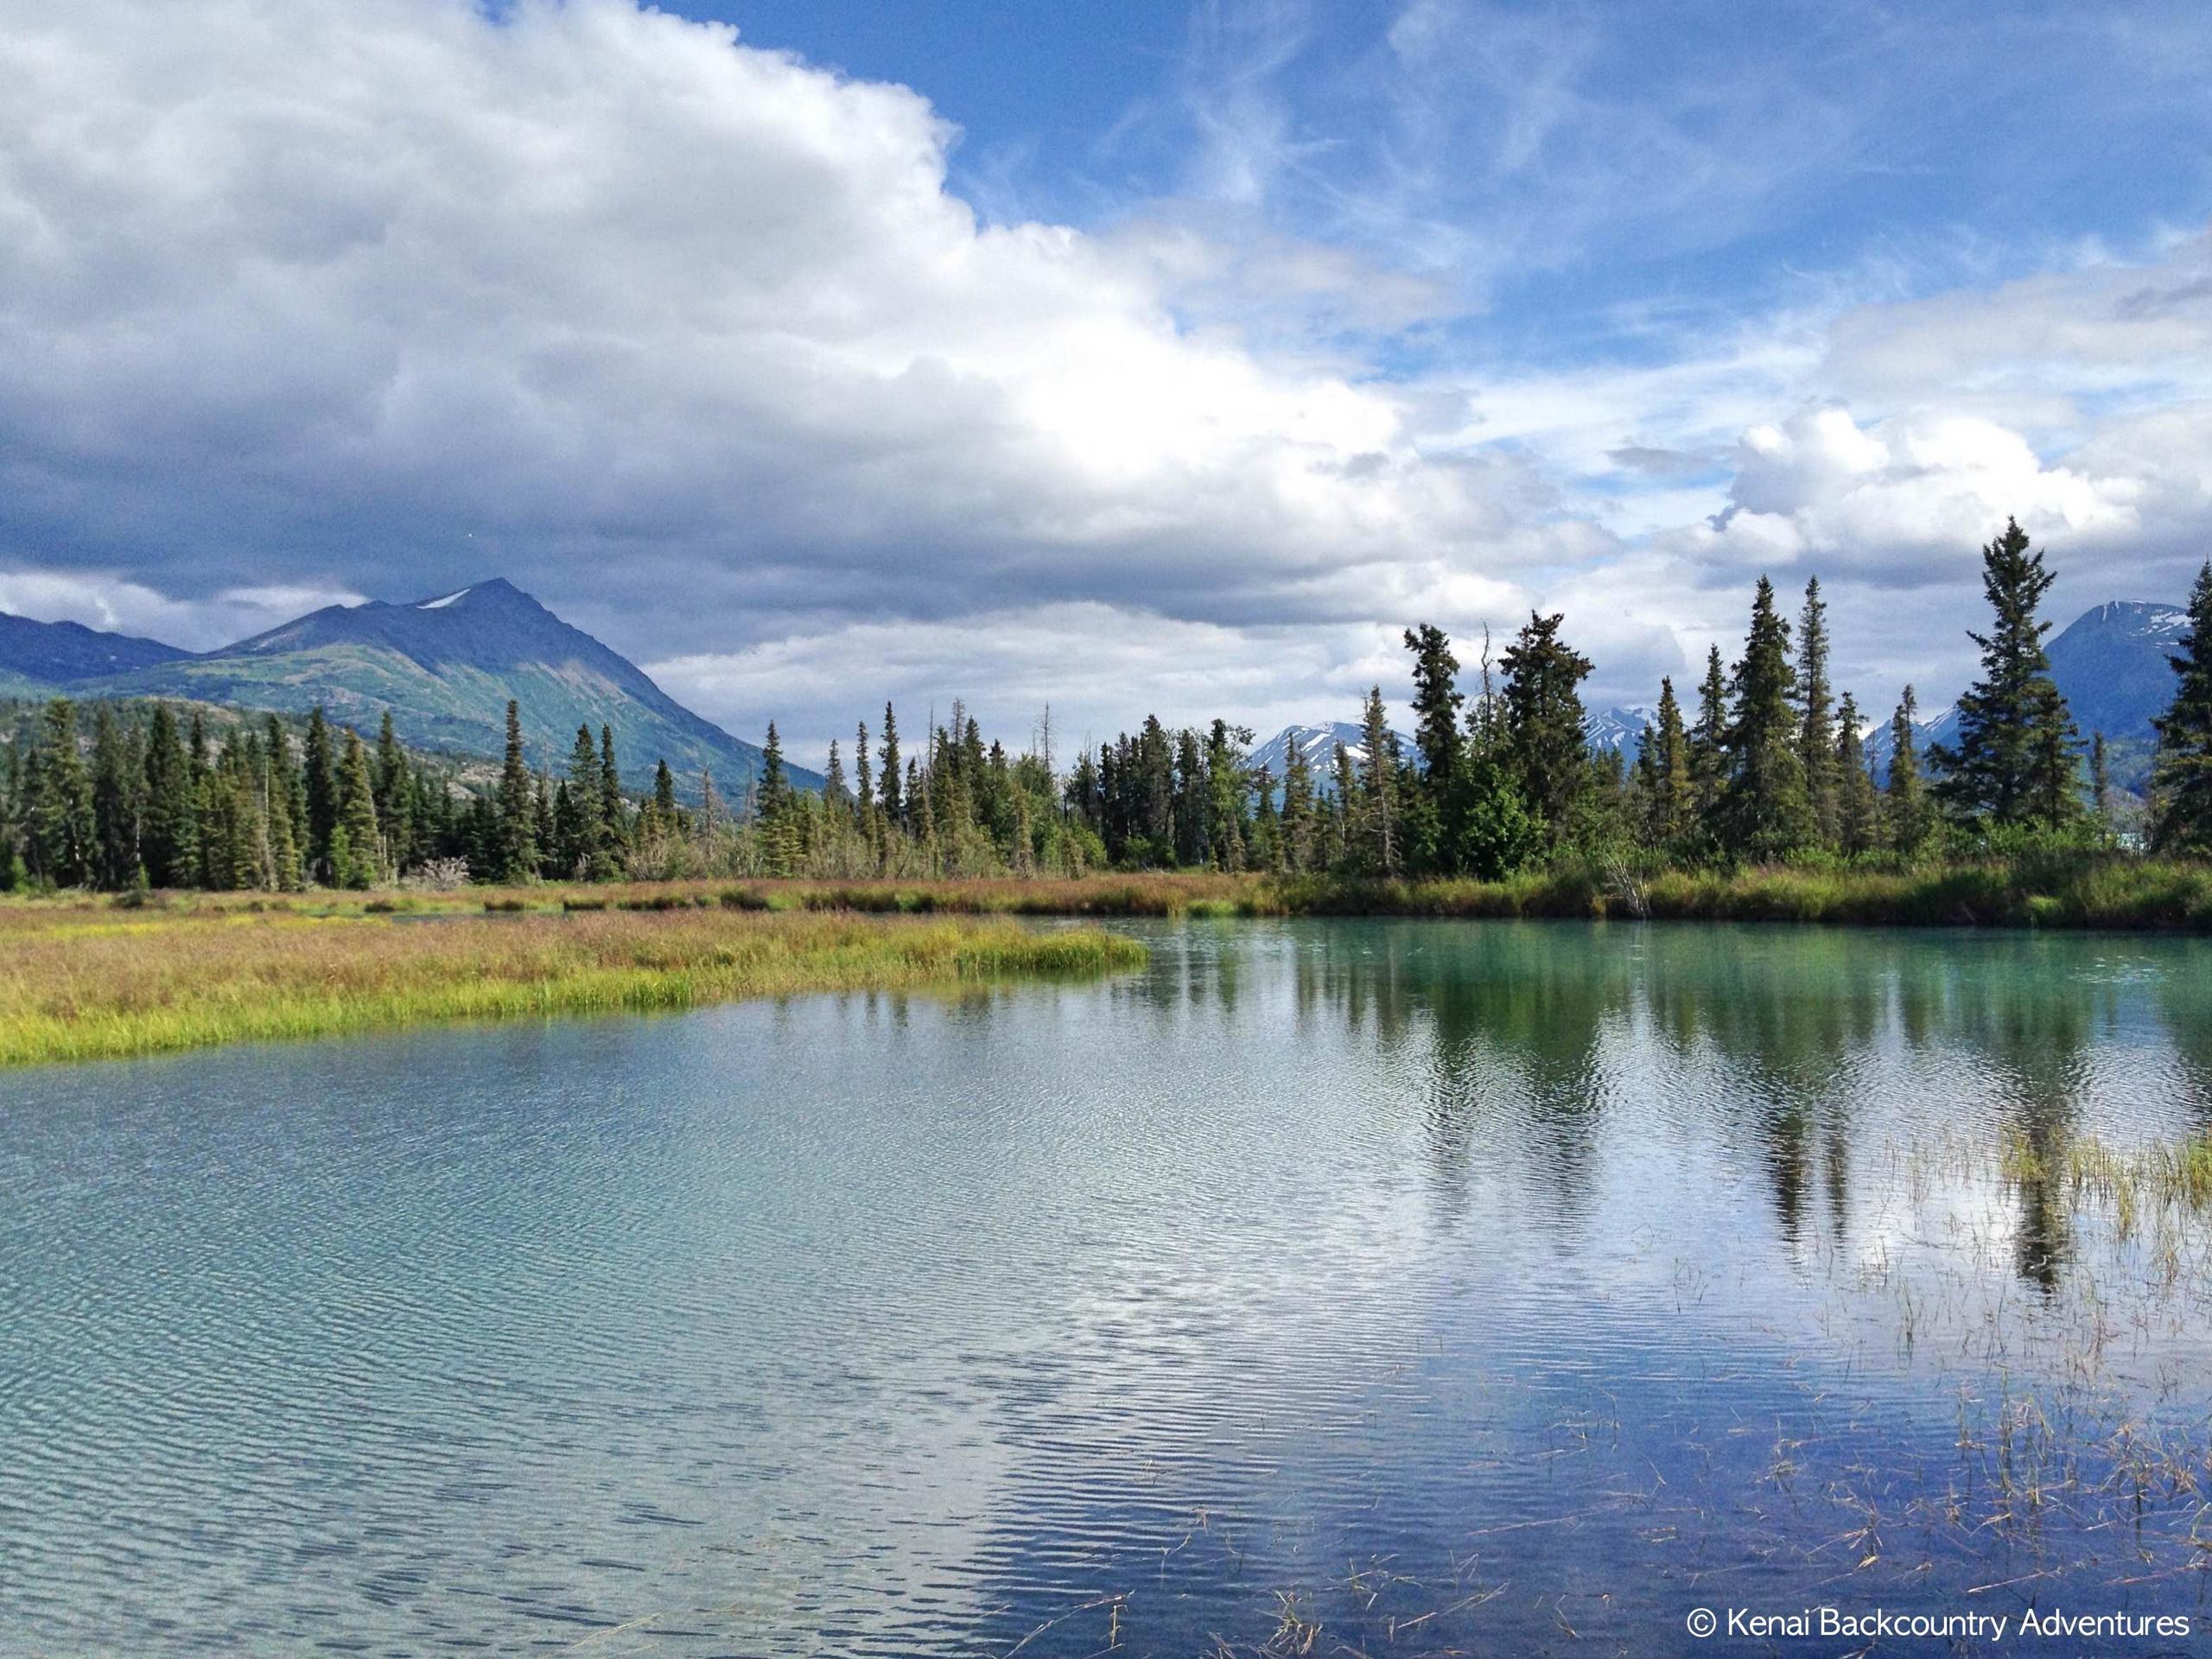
{"x": 100, "y": 984}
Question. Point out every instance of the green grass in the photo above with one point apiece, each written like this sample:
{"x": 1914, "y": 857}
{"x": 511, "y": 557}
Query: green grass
{"x": 85, "y": 982}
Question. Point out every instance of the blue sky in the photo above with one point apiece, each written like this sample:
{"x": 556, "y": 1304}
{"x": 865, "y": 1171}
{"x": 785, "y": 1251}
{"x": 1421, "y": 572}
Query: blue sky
{"x": 1135, "y": 358}
{"x": 1576, "y": 179}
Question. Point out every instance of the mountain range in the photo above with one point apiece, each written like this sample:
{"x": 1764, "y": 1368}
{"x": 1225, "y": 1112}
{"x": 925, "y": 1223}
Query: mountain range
{"x": 445, "y": 667}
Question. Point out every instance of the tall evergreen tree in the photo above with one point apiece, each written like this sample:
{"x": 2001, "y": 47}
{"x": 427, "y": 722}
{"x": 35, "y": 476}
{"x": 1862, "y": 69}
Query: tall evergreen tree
{"x": 1296, "y": 828}
{"x": 1378, "y": 789}
{"x": 582, "y": 826}
{"x": 1816, "y": 735}
{"x": 1670, "y": 789}
{"x": 1708, "y": 745}
{"x": 2015, "y": 762}
{"x": 200, "y": 788}
{"x": 115, "y": 806}
{"x": 1904, "y": 804}
{"x": 863, "y": 779}
{"x": 59, "y": 832}
{"x": 614, "y": 819}
{"x": 775, "y": 782}
{"x": 665, "y": 807}
{"x": 1543, "y": 719}
{"x": 2181, "y": 769}
{"x": 1437, "y": 703}
{"x": 320, "y": 762}
{"x": 1228, "y": 830}
{"x": 1194, "y": 845}
{"x": 2100, "y": 783}
{"x": 1151, "y": 790}
{"x": 888, "y": 787}
{"x": 1859, "y": 819}
{"x": 1764, "y": 812}
{"x": 1432, "y": 793}
{"x": 167, "y": 838}
{"x": 393, "y": 780}
{"x": 834, "y": 792}
{"x": 545, "y": 838}
{"x": 280, "y": 825}
{"x": 517, "y": 803}
{"x": 359, "y": 837}
{"x": 1338, "y": 837}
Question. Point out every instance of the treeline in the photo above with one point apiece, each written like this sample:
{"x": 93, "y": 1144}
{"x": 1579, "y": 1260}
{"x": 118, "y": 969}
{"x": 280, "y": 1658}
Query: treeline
{"x": 148, "y": 802}
{"x": 1764, "y": 762}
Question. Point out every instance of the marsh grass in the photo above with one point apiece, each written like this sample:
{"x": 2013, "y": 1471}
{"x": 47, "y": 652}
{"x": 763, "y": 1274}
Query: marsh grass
{"x": 79, "y": 983}
{"x": 2079, "y": 891}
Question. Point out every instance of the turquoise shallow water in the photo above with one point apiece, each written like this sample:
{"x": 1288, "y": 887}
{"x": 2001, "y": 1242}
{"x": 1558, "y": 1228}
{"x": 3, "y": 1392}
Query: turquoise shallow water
{"x": 1484, "y": 1287}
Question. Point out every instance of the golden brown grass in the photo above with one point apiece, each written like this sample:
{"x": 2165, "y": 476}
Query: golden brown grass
{"x": 86, "y": 981}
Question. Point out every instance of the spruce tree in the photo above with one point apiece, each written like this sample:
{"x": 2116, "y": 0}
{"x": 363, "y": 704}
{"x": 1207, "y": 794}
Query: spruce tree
{"x": 887, "y": 788}
{"x": 614, "y": 822}
{"x": 583, "y": 832}
{"x": 1227, "y": 834}
{"x": 1378, "y": 789}
{"x": 285, "y": 874}
{"x": 200, "y": 791}
{"x": 1194, "y": 845}
{"x": 1671, "y": 788}
{"x": 320, "y": 762}
{"x": 547, "y": 840}
{"x": 115, "y": 806}
{"x": 917, "y": 801}
{"x": 1437, "y": 703}
{"x": 2015, "y": 762}
{"x": 358, "y": 829}
{"x": 2181, "y": 769}
{"x": 166, "y": 839}
{"x": 228, "y": 838}
{"x": 1152, "y": 787}
{"x": 1904, "y": 803}
{"x": 1765, "y": 813}
{"x": 1816, "y": 735}
{"x": 1267, "y": 824}
{"x": 834, "y": 792}
{"x": 1296, "y": 828}
{"x": 1859, "y": 819}
{"x": 1543, "y": 720}
{"x": 864, "y": 779}
{"x": 1339, "y": 836}
{"x": 665, "y": 807}
{"x": 775, "y": 784}
{"x": 518, "y": 807}
{"x": 393, "y": 795}
{"x": 1708, "y": 747}
{"x": 59, "y": 833}
{"x": 2099, "y": 784}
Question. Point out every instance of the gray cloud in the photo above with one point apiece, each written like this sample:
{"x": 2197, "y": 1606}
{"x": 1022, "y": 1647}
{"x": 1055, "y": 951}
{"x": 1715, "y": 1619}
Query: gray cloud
{"x": 301, "y": 299}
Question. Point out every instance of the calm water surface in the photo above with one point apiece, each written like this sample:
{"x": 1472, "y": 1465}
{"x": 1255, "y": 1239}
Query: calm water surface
{"x": 1447, "y": 1287}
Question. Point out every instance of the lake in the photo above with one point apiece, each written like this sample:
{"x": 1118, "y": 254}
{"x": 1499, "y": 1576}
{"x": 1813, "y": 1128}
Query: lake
{"x": 1327, "y": 1288}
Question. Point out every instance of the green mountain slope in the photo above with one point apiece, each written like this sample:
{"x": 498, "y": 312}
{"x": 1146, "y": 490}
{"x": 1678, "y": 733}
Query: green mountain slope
{"x": 445, "y": 668}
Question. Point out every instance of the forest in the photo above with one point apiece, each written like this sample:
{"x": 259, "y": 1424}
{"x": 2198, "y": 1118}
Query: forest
{"x": 1763, "y": 763}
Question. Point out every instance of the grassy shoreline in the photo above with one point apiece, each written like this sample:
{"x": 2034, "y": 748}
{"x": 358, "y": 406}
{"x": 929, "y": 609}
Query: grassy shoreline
{"x": 2088, "y": 893}
{"x": 2063, "y": 891}
{"x": 81, "y": 982}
